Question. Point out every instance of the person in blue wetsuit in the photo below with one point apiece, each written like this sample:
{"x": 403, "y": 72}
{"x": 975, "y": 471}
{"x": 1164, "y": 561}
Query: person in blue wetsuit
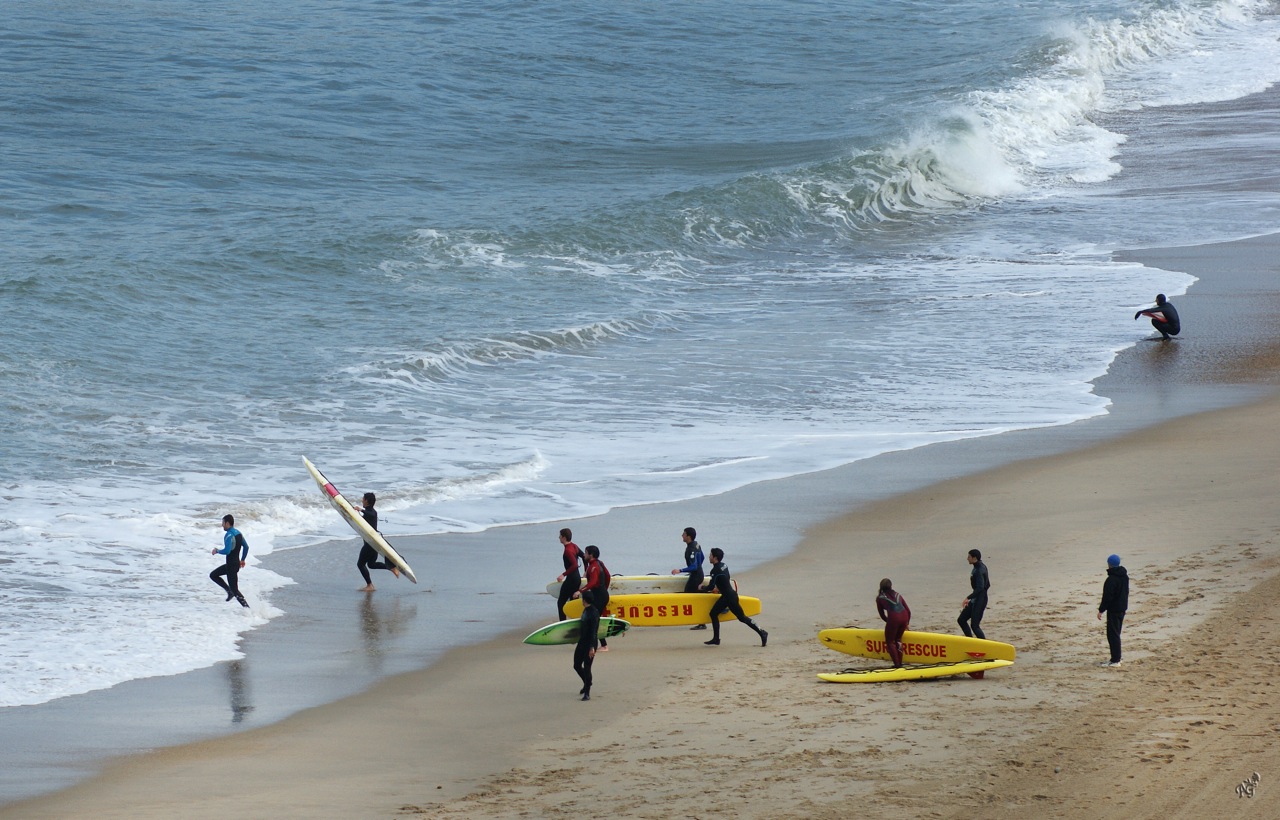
{"x": 693, "y": 559}
{"x": 1170, "y": 325}
{"x": 728, "y": 601}
{"x": 976, "y": 604}
{"x": 368, "y": 558}
{"x": 236, "y": 549}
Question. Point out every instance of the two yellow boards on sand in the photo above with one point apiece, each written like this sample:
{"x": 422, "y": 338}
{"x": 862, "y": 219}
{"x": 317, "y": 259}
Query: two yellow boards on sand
{"x": 931, "y": 655}
{"x": 371, "y": 536}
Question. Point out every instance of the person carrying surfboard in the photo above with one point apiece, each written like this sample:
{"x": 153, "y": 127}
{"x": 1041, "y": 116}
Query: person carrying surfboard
{"x": 596, "y": 592}
{"x": 236, "y": 548}
{"x": 571, "y": 577}
{"x": 728, "y": 601}
{"x": 693, "y": 559}
{"x": 1164, "y": 317}
{"x": 368, "y": 558}
{"x": 584, "y": 653}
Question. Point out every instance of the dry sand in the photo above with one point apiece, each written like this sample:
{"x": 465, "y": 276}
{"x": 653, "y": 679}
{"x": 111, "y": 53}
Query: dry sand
{"x": 677, "y": 729}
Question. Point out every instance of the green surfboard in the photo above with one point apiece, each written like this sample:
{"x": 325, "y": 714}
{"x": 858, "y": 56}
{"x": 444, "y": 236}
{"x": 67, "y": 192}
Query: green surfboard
{"x": 567, "y": 631}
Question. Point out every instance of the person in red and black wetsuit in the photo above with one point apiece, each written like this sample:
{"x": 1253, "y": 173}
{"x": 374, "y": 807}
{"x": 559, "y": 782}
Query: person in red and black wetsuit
{"x": 896, "y": 615}
{"x": 571, "y": 577}
{"x": 720, "y": 582}
{"x": 596, "y": 591}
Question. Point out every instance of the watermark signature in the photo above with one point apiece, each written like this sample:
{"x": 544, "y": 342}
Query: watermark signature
{"x": 1248, "y": 787}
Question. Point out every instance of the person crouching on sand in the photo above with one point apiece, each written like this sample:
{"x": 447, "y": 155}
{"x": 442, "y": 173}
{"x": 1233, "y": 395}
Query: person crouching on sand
{"x": 896, "y": 615}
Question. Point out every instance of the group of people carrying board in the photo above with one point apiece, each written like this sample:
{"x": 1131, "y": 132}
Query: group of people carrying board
{"x": 595, "y": 595}
{"x": 895, "y": 613}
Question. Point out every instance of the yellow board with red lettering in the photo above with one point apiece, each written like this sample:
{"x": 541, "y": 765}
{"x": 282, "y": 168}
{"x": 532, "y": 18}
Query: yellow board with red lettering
{"x": 666, "y": 608}
{"x": 918, "y": 647}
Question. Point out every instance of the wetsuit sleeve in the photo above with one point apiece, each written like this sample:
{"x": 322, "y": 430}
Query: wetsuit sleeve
{"x": 244, "y": 546}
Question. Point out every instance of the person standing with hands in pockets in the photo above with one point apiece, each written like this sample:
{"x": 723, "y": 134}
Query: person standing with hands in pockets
{"x": 236, "y": 549}
{"x": 1115, "y": 602}
{"x": 976, "y": 603}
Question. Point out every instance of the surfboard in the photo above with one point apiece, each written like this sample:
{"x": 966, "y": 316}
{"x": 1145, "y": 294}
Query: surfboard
{"x": 352, "y": 517}
{"x": 666, "y": 608}
{"x": 1154, "y": 314}
{"x": 918, "y": 647}
{"x": 567, "y": 631}
{"x": 633, "y": 584}
{"x": 920, "y": 672}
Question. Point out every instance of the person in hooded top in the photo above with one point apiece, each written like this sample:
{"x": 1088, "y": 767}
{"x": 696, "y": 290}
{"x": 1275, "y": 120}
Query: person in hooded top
{"x": 1115, "y": 601}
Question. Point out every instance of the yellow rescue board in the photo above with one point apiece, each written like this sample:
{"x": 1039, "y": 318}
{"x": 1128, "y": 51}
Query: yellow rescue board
{"x": 931, "y": 670}
{"x": 353, "y": 518}
{"x": 666, "y": 608}
{"x": 918, "y": 647}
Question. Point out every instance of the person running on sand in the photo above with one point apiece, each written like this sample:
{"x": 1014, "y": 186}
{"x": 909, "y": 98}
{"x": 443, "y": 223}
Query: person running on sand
{"x": 236, "y": 548}
{"x": 1115, "y": 601}
{"x": 571, "y": 577}
{"x": 728, "y": 601}
{"x": 896, "y": 615}
{"x": 368, "y": 558}
{"x": 976, "y": 604}
{"x": 693, "y": 559}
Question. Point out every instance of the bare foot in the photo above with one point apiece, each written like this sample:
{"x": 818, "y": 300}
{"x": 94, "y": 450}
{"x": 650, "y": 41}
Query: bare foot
{"x": 366, "y": 588}
{"x": 395, "y": 571}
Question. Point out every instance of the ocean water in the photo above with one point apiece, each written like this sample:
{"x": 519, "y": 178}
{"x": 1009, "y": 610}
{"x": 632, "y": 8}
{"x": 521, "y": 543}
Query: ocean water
{"x": 508, "y": 262}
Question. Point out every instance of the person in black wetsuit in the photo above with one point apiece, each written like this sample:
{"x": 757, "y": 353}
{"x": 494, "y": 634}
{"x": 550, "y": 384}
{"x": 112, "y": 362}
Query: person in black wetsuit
{"x": 976, "y": 604}
{"x": 368, "y": 555}
{"x": 236, "y": 548}
{"x": 1115, "y": 602}
{"x": 728, "y": 601}
{"x": 693, "y": 559}
{"x": 572, "y": 579}
{"x": 1171, "y": 325}
{"x": 584, "y": 653}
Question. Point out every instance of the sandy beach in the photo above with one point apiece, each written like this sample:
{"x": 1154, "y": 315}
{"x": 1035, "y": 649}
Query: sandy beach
{"x": 676, "y": 728}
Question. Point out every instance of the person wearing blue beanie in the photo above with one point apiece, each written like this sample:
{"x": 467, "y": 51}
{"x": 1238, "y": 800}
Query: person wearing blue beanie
{"x": 1115, "y": 601}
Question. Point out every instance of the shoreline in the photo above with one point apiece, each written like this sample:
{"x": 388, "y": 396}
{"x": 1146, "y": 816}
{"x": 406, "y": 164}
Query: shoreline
{"x": 464, "y": 684}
